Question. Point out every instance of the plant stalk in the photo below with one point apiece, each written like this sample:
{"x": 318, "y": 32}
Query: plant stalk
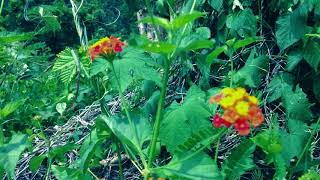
{"x": 159, "y": 114}
{"x": 125, "y": 106}
{"x": 121, "y": 176}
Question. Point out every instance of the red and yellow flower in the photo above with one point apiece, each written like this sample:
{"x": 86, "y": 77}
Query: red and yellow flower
{"x": 239, "y": 109}
{"x": 106, "y": 47}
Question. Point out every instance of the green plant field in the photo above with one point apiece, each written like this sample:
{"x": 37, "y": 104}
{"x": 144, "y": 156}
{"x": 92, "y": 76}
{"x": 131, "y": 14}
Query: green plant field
{"x": 160, "y": 89}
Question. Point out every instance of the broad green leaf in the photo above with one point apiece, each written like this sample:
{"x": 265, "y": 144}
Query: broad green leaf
{"x": 280, "y": 167}
{"x": 64, "y": 173}
{"x": 203, "y": 32}
{"x": 66, "y": 65}
{"x": 10, "y": 153}
{"x": 133, "y": 66}
{"x": 150, "y": 106}
{"x": 311, "y": 54}
{"x": 199, "y": 44}
{"x": 294, "y": 140}
{"x": 61, "y": 107}
{"x": 291, "y": 28}
{"x": 294, "y": 57}
{"x": 243, "y": 23}
{"x": 159, "y": 47}
{"x": 216, "y": 4}
{"x": 185, "y": 119}
{"x": 239, "y": 161}
{"x": 51, "y": 23}
{"x": 252, "y": 72}
{"x": 269, "y": 141}
{"x": 59, "y": 151}
{"x": 10, "y": 108}
{"x": 244, "y": 42}
{"x": 215, "y": 53}
{"x": 297, "y": 105}
{"x": 197, "y": 39}
{"x": 184, "y": 19}
{"x": 99, "y": 65}
{"x": 156, "y": 21}
{"x": 133, "y": 135}
{"x": 36, "y": 162}
{"x": 271, "y": 144}
{"x": 279, "y": 86}
{"x": 10, "y": 38}
{"x": 88, "y": 149}
{"x": 196, "y": 167}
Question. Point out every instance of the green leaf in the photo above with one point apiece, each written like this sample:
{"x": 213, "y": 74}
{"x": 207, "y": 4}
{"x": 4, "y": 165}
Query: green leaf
{"x": 59, "y": 151}
{"x": 294, "y": 141}
{"x": 159, "y": 47}
{"x": 87, "y": 150}
{"x": 61, "y": 107}
{"x": 150, "y": 106}
{"x": 199, "y": 44}
{"x": 133, "y": 136}
{"x": 239, "y": 161}
{"x": 297, "y": 105}
{"x": 10, "y": 153}
{"x": 311, "y": 54}
{"x": 10, "y": 108}
{"x": 244, "y": 42}
{"x": 36, "y": 162}
{"x": 215, "y": 53}
{"x": 243, "y": 23}
{"x": 252, "y": 72}
{"x": 291, "y": 28}
{"x": 294, "y": 57}
{"x": 216, "y": 4}
{"x": 99, "y": 65}
{"x": 279, "y": 86}
{"x": 64, "y": 173}
{"x": 196, "y": 167}
{"x": 66, "y": 65}
{"x": 269, "y": 141}
{"x": 185, "y": 119}
{"x": 184, "y": 19}
{"x": 156, "y": 21}
{"x": 133, "y": 66}
{"x": 11, "y": 38}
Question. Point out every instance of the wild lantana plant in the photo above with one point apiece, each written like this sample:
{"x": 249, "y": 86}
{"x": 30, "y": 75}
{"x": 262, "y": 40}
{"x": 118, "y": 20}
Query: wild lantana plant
{"x": 106, "y": 47}
{"x": 239, "y": 109}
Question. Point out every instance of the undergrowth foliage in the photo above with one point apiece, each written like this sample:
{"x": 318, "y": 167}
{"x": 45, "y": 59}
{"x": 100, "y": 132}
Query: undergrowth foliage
{"x": 191, "y": 89}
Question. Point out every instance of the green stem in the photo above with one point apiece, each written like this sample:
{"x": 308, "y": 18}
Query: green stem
{"x": 125, "y": 106}
{"x": 1, "y": 7}
{"x": 160, "y": 107}
{"x": 49, "y": 167}
{"x": 121, "y": 177}
{"x": 306, "y": 147}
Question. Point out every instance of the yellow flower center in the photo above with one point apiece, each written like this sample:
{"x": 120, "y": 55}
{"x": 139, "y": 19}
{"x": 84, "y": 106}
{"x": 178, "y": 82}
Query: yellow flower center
{"x": 242, "y": 108}
{"x": 253, "y": 100}
{"x": 105, "y": 39}
{"x": 227, "y": 91}
{"x": 227, "y": 102}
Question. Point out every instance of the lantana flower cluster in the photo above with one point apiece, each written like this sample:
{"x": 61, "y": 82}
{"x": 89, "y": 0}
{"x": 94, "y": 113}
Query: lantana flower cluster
{"x": 239, "y": 109}
{"x": 106, "y": 47}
